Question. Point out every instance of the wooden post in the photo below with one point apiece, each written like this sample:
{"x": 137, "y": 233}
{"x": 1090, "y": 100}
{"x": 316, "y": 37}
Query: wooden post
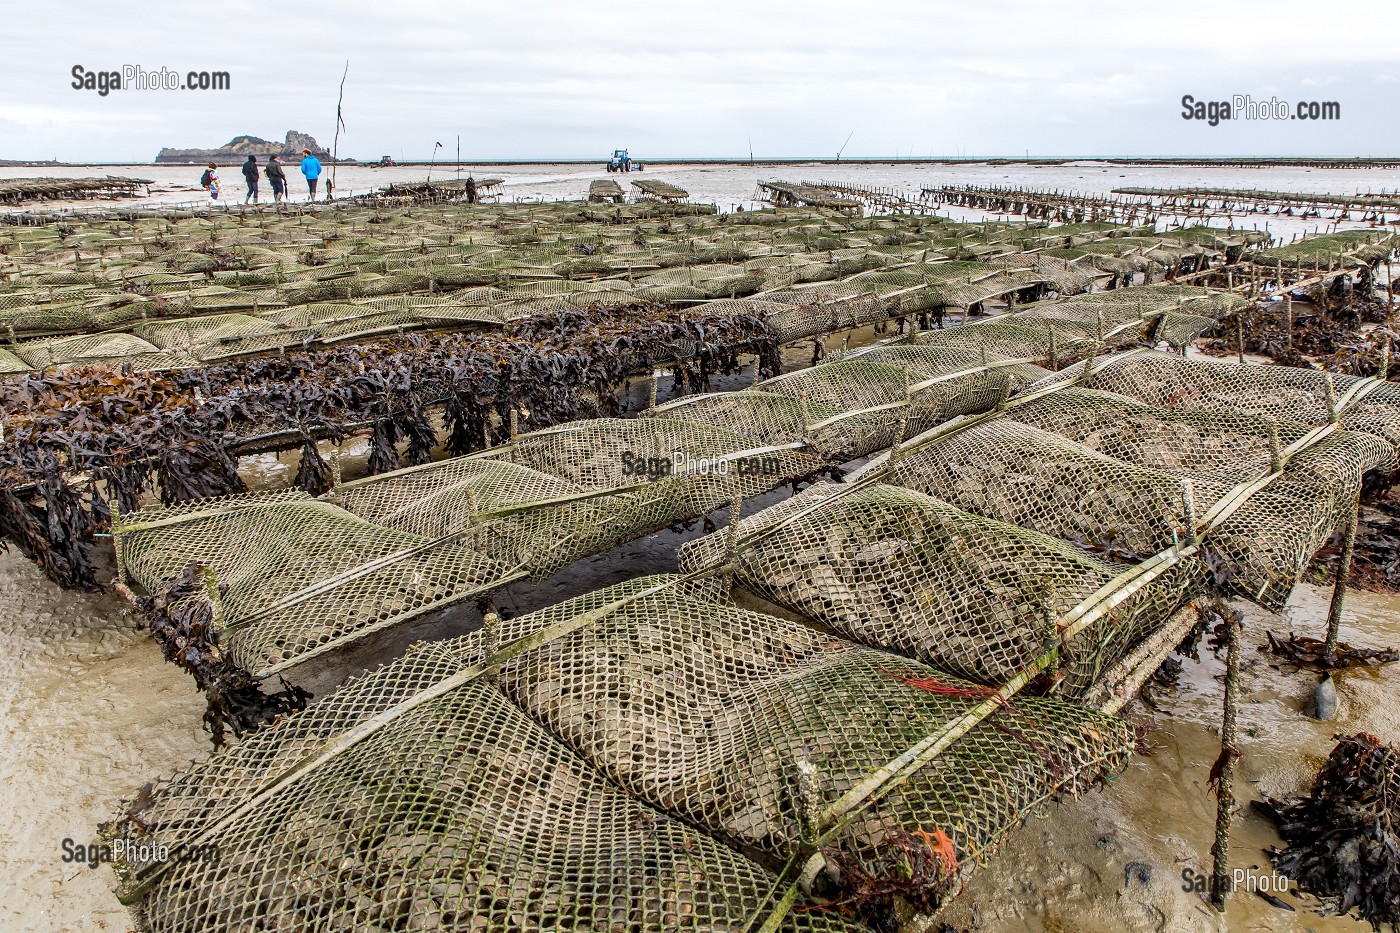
{"x": 1339, "y": 588}
{"x": 1225, "y": 768}
{"x": 1288, "y": 314}
{"x": 490, "y": 634}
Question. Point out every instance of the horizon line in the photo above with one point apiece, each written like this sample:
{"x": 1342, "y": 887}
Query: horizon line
{"x": 790, "y": 159}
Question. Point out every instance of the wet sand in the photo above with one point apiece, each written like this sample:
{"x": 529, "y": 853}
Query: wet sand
{"x": 89, "y": 711}
{"x": 1113, "y": 860}
{"x": 730, "y": 185}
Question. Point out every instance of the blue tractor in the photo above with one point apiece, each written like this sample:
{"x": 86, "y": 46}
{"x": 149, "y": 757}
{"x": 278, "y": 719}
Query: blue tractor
{"x": 621, "y": 163}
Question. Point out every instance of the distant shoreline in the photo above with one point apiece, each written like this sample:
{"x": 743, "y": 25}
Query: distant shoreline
{"x": 1368, "y": 162}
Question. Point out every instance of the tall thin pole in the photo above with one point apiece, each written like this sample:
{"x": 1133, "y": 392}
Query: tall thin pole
{"x": 1225, "y": 767}
{"x": 339, "y": 122}
{"x": 459, "y": 156}
{"x": 844, "y": 145}
{"x": 436, "y": 147}
{"x": 1339, "y": 588}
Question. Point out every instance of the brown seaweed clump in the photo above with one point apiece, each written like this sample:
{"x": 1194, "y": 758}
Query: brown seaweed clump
{"x": 1344, "y": 838}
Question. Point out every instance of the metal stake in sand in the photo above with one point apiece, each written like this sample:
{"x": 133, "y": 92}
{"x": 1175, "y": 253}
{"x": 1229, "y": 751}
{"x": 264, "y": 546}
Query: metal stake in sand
{"x": 1223, "y": 774}
{"x": 1339, "y": 588}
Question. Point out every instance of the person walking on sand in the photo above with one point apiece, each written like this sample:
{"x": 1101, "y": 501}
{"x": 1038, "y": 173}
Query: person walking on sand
{"x": 250, "y": 174}
{"x": 210, "y": 180}
{"x": 277, "y": 178}
{"x": 311, "y": 168}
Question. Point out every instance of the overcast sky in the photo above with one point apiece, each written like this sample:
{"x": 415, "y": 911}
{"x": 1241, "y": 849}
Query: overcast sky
{"x": 526, "y": 79}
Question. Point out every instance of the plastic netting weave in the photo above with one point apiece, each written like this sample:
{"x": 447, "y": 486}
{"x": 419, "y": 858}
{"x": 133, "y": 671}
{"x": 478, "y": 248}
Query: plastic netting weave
{"x": 1229, "y": 446}
{"x": 749, "y": 725}
{"x": 420, "y": 797}
{"x": 300, "y": 576}
{"x": 897, "y": 569}
{"x": 117, "y": 348}
{"x": 1043, "y": 481}
{"x": 9, "y": 363}
{"x": 1284, "y": 392}
{"x": 691, "y": 478}
{"x": 218, "y": 336}
{"x": 461, "y": 813}
{"x": 855, "y": 404}
{"x": 510, "y": 509}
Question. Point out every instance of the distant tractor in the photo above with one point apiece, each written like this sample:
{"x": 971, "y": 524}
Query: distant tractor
{"x": 620, "y": 162}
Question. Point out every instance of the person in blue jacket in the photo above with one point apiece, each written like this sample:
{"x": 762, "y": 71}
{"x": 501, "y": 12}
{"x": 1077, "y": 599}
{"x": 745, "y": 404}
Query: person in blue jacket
{"x": 311, "y": 168}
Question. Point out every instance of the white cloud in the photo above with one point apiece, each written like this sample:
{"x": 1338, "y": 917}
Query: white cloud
{"x": 537, "y": 79}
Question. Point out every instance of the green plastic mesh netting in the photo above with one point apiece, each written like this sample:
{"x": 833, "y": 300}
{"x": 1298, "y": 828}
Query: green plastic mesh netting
{"x": 9, "y": 363}
{"x": 856, "y": 403}
{"x": 1175, "y": 313}
{"x": 1010, "y": 337}
{"x": 897, "y": 569}
{"x": 1029, "y": 477}
{"x": 1229, "y": 446}
{"x": 300, "y": 576}
{"x": 1284, "y": 392}
{"x": 421, "y": 797}
{"x": 455, "y": 812}
{"x": 123, "y": 349}
{"x": 752, "y": 727}
{"x": 304, "y": 576}
{"x": 569, "y": 492}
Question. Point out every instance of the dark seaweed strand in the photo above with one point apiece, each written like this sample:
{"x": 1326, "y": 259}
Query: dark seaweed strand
{"x": 182, "y": 620}
{"x": 184, "y": 430}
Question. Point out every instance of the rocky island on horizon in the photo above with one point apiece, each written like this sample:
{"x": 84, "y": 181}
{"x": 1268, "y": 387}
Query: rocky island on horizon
{"x": 240, "y": 147}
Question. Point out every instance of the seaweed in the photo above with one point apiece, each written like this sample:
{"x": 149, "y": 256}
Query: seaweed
{"x": 1308, "y": 652}
{"x": 69, "y": 433}
{"x": 183, "y": 619}
{"x": 1343, "y": 839}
